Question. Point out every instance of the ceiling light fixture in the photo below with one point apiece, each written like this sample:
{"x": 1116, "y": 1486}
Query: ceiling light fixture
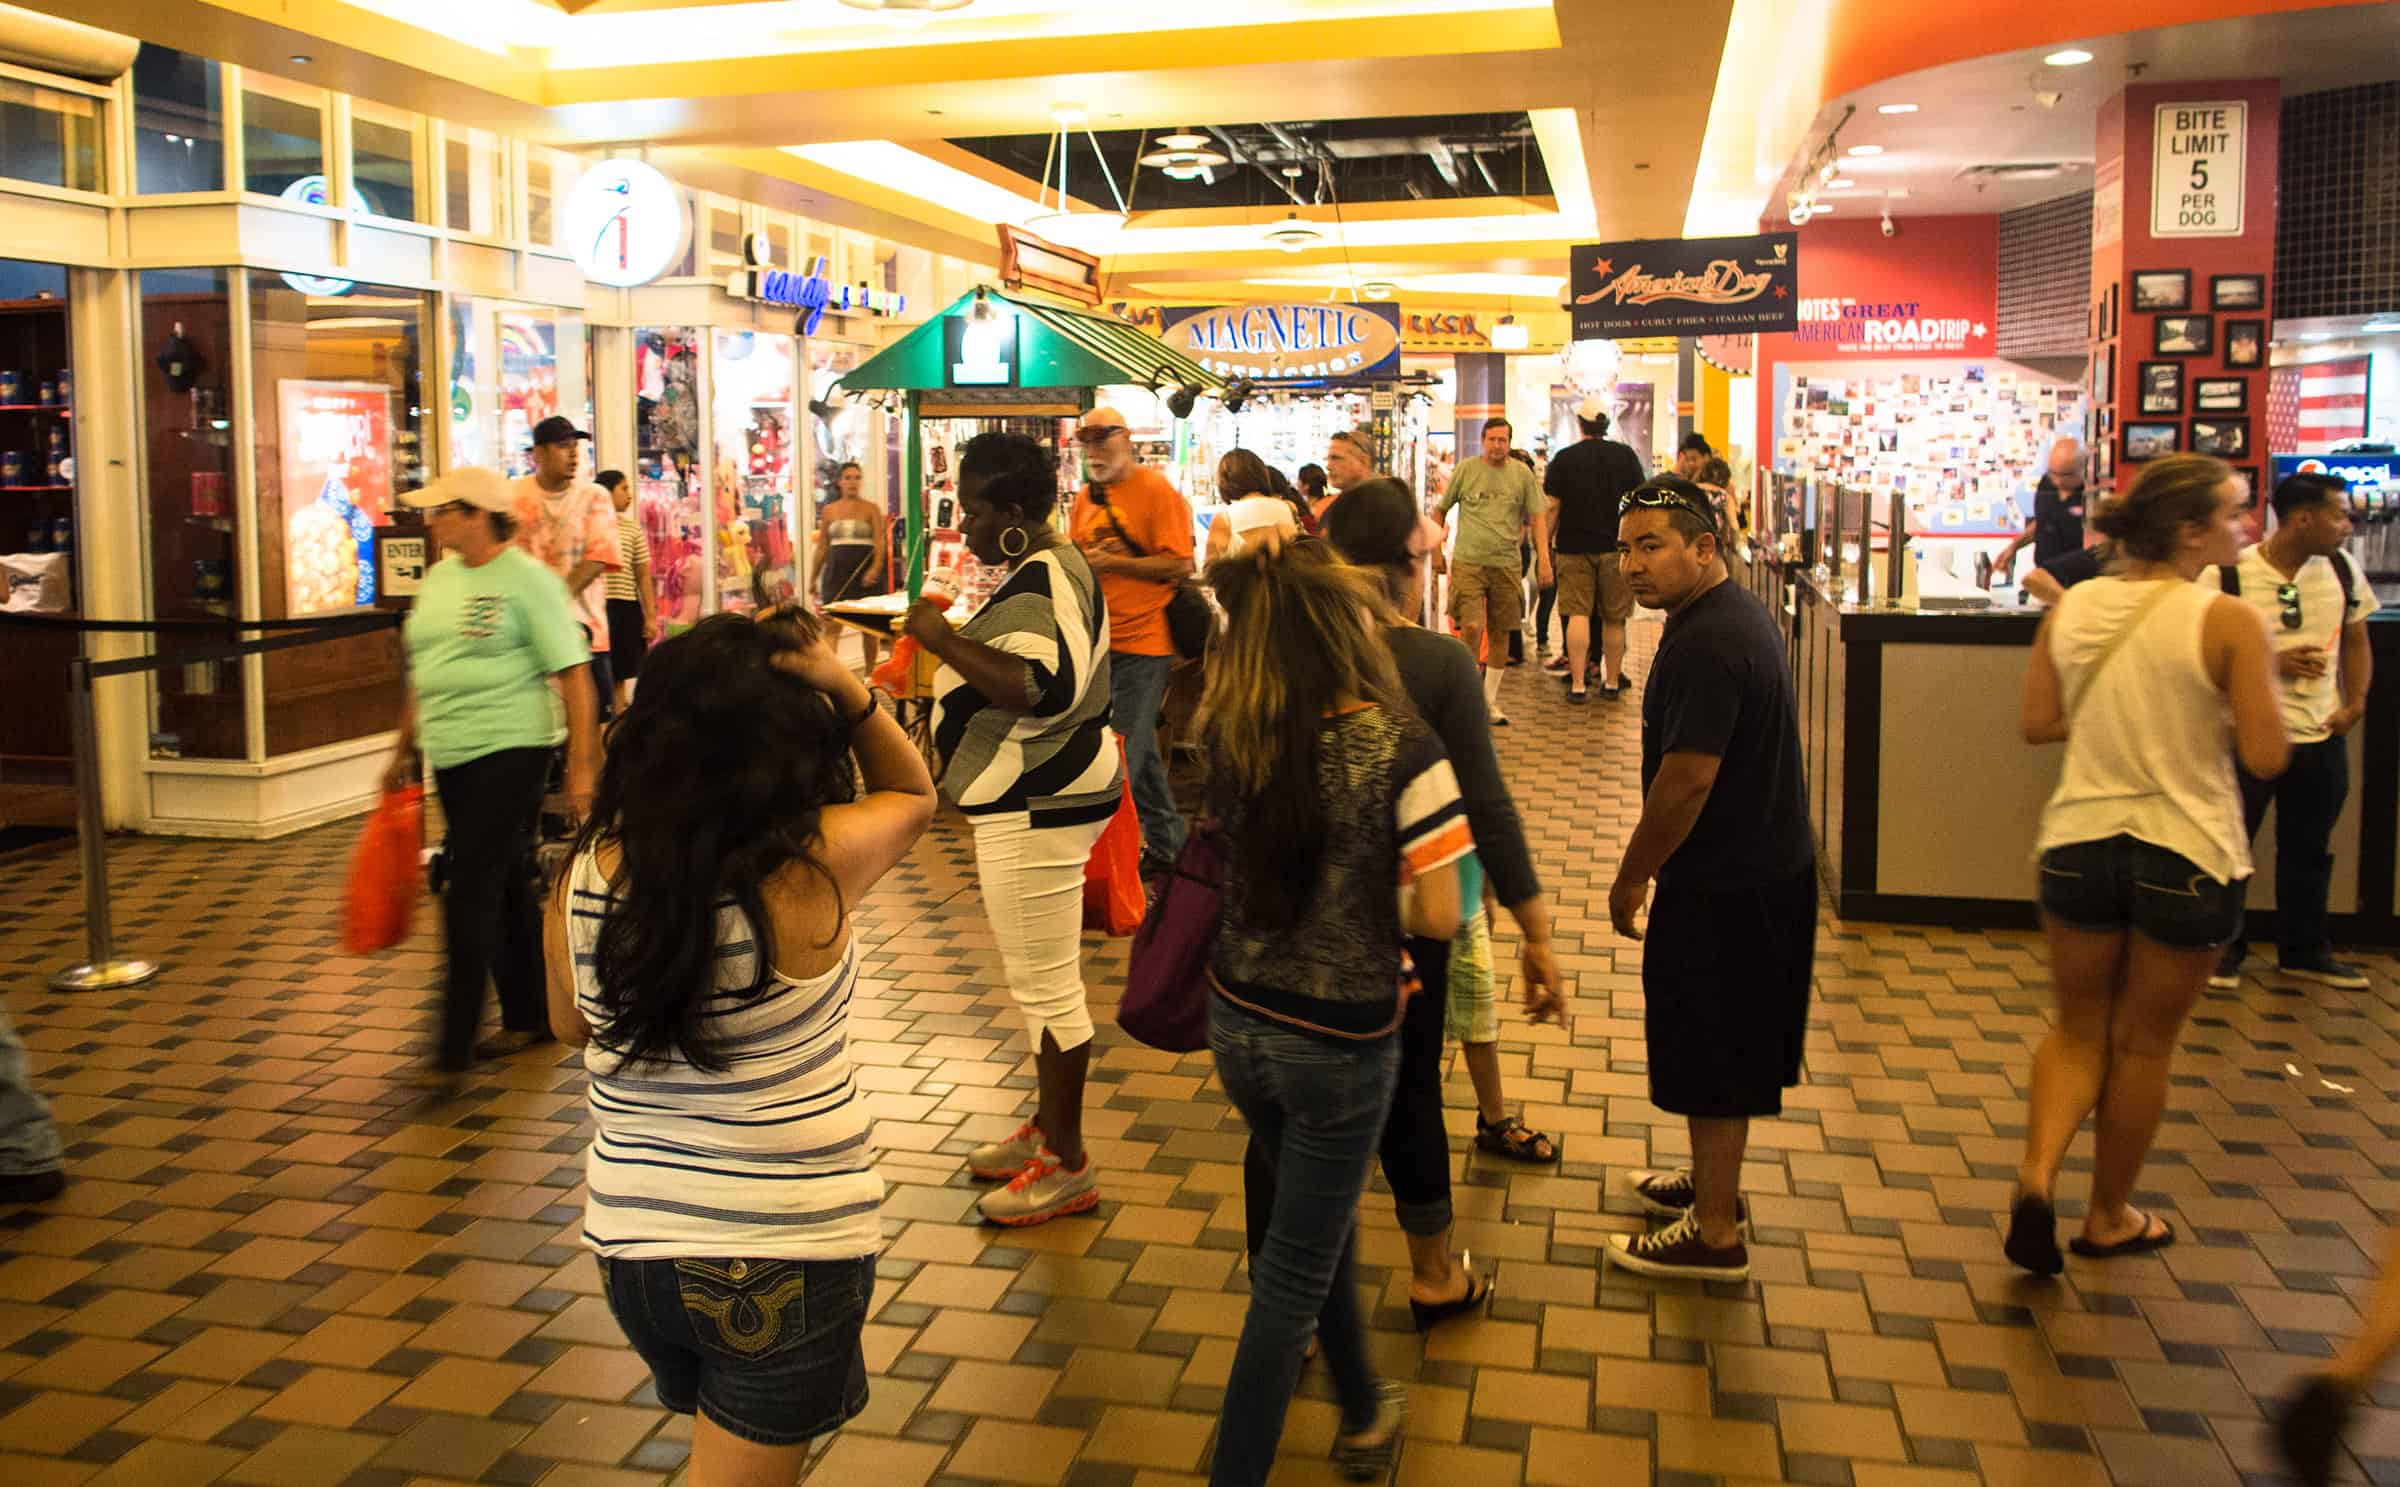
{"x": 907, "y": 8}
{"x": 1895, "y": 108}
{"x": 2380, "y": 327}
{"x": 302, "y": 59}
{"x": 1863, "y": 152}
{"x": 1385, "y": 289}
{"x": 1295, "y": 236}
{"x": 2073, "y": 56}
{"x": 1069, "y": 115}
{"x": 1183, "y": 156}
{"x": 1840, "y": 183}
{"x": 1510, "y": 335}
{"x": 1064, "y": 216}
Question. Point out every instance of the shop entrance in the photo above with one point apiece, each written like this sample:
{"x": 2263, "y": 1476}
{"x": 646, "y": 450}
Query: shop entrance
{"x": 38, "y": 539}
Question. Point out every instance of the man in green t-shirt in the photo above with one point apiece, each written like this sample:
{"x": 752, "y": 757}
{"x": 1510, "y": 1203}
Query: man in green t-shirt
{"x": 1498, "y": 501}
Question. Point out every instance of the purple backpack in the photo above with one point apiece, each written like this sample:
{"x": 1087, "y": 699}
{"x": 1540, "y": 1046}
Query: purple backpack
{"x": 1167, "y": 980}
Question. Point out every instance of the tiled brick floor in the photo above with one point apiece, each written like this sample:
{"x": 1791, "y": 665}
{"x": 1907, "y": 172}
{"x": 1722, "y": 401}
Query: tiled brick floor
{"x": 281, "y": 1262}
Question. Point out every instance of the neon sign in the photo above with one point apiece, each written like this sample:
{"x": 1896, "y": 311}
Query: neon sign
{"x": 811, "y": 293}
{"x": 626, "y": 223}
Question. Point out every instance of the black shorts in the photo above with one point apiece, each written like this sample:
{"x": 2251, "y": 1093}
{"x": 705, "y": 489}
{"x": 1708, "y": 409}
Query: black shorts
{"x": 2122, "y": 883}
{"x": 1725, "y": 984}
{"x": 627, "y": 643}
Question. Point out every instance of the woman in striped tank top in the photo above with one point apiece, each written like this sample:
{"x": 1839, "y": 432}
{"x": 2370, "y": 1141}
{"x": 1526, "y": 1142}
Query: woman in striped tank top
{"x": 701, "y": 954}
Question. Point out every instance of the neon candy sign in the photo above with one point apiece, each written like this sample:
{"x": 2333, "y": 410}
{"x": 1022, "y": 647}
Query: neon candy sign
{"x": 811, "y": 293}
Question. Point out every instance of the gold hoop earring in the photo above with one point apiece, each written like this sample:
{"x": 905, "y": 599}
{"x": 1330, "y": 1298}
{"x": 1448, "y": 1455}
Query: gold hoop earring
{"x": 1024, "y": 542}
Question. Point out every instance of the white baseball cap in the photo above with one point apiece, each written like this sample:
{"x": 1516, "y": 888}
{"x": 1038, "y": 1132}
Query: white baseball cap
{"x": 1594, "y": 406}
{"x": 485, "y": 490}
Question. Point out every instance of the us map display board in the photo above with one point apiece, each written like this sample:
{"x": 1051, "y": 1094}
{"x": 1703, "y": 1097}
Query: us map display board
{"x": 1686, "y": 286}
{"x": 337, "y": 488}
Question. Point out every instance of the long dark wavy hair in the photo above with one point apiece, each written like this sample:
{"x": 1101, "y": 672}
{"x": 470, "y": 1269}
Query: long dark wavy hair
{"x": 1302, "y": 631}
{"x": 714, "y": 782}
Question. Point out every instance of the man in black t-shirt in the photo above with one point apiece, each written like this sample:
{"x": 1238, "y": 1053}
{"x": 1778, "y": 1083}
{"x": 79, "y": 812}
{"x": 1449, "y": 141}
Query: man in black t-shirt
{"x": 1724, "y": 833}
{"x": 1586, "y": 481}
{"x": 2057, "y": 526}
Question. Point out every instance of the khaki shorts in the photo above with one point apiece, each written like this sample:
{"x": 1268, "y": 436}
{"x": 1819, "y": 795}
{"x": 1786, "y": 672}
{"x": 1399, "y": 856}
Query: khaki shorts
{"x": 1589, "y": 580}
{"x": 1491, "y": 597}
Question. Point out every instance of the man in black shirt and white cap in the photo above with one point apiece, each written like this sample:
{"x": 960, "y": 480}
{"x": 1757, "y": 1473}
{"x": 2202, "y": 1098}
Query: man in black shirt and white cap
{"x": 1724, "y": 833}
{"x": 1586, "y": 481}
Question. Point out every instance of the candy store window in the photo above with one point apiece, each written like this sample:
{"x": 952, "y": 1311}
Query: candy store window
{"x": 337, "y": 406}
{"x": 196, "y": 557}
{"x": 666, "y": 372}
{"x": 751, "y": 486}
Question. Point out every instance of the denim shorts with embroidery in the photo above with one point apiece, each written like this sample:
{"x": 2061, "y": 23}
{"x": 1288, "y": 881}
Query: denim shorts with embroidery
{"x": 767, "y": 1349}
{"x": 2122, "y": 883}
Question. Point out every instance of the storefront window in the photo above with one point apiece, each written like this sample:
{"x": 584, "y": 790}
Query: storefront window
{"x": 549, "y": 176}
{"x": 511, "y": 366}
{"x": 283, "y": 138}
{"x": 49, "y": 137}
{"x": 666, "y": 373}
{"x": 723, "y": 232}
{"x": 39, "y": 533}
{"x": 337, "y": 402}
{"x": 178, "y": 122}
{"x": 383, "y": 159}
{"x": 751, "y": 486}
{"x": 196, "y": 560}
{"x": 476, "y": 164}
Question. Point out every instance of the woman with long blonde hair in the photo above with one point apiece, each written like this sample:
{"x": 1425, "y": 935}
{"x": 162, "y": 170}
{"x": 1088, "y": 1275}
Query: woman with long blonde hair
{"x": 1343, "y": 827}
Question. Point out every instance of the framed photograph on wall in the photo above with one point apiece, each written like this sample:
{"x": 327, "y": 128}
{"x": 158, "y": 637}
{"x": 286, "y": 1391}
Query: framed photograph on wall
{"x": 2237, "y": 291}
{"x": 2183, "y": 335}
{"x": 2108, "y": 312}
{"x": 2104, "y": 462}
{"x": 2245, "y": 344}
{"x": 2104, "y": 372}
{"x": 2147, "y": 441}
{"x": 2219, "y": 395}
{"x": 2226, "y": 438}
{"x": 2162, "y": 289}
{"x": 2162, "y": 389}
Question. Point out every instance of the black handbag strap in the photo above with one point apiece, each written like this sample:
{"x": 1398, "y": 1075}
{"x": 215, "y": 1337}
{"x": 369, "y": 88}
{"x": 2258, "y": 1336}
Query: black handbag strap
{"x": 1101, "y": 501}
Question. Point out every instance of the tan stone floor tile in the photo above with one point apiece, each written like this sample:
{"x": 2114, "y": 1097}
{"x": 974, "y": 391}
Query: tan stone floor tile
{"x": 464, "y": 1386}
{"x": 1425, "y": 1464}
{"x": 1718, "y": 1448}
{"x": 1010, "y": 1451}
{"x": 57, "y": 1423}
{"x": 1146, "y": 1437}
{"x": 598, "y": 1434}
{"x": 306, "y": 1456}
{"x": 1850, "y": 1430}
{"x": 1532, "y": 1398}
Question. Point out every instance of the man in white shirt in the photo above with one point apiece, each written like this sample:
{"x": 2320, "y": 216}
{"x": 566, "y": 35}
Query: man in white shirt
{"x": 2316, "y": 602}
{"x": 571, "y": 525}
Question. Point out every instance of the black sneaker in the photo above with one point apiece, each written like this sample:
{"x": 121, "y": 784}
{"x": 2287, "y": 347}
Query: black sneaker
{"x": 2228, "y": 974}
{"x": 1669, "y": 1195}
{"x": 1677, "y": 1252}
{"x": 2308, "y": 1429}
{"x": 32, "y": 1187}
{"x": 2326, "y": 971}
{"x": 1579, "y": 698}
{"x": 1612, "y": 694}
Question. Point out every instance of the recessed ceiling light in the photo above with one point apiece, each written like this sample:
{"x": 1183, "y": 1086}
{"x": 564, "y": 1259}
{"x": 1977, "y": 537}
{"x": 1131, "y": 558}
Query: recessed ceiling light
{"x": 1863, "y": 151}
{"x": 1840, "y": 183}
{"x": 1641, "y": 165}
{"x": 1383, "y": 289}
{"x": 2073, "y": 56}
{"x": 904, "y": 7}
{"x": 1895, "y": 108}
{"x": 301, "y": 59}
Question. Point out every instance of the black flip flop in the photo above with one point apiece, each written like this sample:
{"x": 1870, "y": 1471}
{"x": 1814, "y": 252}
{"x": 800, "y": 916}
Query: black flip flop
{"x": 2032, "y": 1242}
{"x": 2140, "y": 1244}
{"x": 1479, "y": 1291}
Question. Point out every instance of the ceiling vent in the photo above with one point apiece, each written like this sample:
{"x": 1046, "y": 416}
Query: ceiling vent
{"x": 2017, "y": 170}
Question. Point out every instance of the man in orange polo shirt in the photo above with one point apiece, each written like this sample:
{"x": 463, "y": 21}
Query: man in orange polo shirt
{"x": 1137, "y": 533}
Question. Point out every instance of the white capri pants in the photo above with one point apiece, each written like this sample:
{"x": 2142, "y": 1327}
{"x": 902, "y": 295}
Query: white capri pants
{"x": 1032, "y": 882}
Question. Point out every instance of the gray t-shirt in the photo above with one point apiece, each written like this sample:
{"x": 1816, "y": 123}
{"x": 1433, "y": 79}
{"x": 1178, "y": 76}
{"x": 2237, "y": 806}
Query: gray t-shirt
{"x": 1494, "y": 504}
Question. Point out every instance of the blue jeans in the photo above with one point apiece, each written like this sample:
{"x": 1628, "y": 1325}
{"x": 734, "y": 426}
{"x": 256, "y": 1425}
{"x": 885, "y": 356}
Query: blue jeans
{"x": 769, "y": 1349}
{"x": 1137, "y": 690}
{"x": 1316, "y": 1109}
{"x": 2308, "y": 800}
{"x": 28, "y": 1139}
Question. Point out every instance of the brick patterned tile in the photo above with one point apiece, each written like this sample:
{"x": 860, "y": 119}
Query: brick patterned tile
{"x": 282, "y": 1263}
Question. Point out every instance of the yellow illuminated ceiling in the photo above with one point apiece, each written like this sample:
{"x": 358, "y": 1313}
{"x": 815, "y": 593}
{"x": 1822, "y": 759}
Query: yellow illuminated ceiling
{"x": 843, "y": 108}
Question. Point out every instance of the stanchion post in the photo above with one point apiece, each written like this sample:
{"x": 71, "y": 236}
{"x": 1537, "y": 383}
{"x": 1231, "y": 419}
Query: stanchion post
{"x": 103, "y": 971}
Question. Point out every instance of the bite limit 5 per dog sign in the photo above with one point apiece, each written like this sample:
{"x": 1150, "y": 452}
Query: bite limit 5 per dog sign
{"x": 2196, "y": 169}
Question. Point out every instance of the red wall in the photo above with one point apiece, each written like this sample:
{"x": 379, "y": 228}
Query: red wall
{"x": 1947, "y": 267}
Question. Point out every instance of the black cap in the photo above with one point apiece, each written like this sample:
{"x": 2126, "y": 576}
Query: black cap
{"x": 557, "y": 430}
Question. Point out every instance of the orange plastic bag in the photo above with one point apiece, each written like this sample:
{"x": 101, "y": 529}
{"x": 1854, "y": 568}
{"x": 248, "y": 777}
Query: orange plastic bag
{"x": 384, "y": 876}
{"x": 897, "y": 675}
{"x": 1112, "y": 875}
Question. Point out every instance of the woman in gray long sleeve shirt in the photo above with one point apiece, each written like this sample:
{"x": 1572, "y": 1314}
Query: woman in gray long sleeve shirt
{"x": 1370, "y": 526}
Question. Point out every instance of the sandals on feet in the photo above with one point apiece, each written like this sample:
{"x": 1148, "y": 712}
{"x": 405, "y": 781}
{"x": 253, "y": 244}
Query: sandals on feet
{"x": 2032, "y": 1242}
{"x": 2142, "y": 1243}
{"x": 1511, "y": 1138}
{"x": 1479, "y": 1291}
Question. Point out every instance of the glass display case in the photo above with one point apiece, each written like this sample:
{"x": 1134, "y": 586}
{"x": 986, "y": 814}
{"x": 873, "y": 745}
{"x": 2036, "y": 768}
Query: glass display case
{"x": 752, "y": 480}
{"x": 667, "y": 486}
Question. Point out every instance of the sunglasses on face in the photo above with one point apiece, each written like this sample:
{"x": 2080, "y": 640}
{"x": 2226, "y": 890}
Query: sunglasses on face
{"x": 1097, "y": 433}
{"x": 1661, "y": 500}
{"x": 2288, "y": 595}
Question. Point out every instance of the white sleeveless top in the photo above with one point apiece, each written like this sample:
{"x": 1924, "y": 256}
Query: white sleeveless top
{"x": 767, "y": 1159}
{"x": 2150, "y": 746}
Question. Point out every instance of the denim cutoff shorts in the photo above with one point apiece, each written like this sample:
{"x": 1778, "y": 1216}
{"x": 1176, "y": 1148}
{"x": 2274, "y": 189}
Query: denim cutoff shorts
{"x": 2124, "y": 883}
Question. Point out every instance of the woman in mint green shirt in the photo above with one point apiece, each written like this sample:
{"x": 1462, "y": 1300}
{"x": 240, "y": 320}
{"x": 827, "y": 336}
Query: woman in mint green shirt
{"x": 494, "y": 651}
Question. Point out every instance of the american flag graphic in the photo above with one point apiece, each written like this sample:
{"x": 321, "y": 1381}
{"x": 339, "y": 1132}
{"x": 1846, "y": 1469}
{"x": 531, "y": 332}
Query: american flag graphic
{"x": 2320, "y": 403}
